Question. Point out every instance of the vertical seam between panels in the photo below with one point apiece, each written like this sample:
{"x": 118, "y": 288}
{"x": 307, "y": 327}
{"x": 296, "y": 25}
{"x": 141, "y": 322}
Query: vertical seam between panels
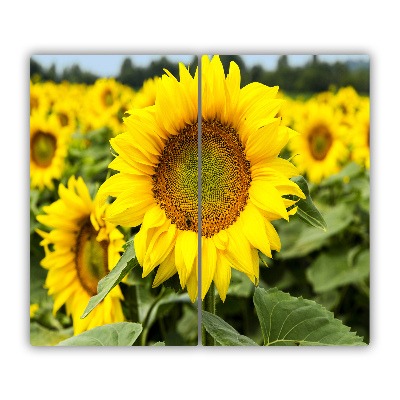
{"x": 199, "y": 200}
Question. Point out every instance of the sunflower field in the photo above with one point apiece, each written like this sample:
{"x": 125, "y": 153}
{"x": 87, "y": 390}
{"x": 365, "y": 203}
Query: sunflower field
{"x": 116, "y": 255}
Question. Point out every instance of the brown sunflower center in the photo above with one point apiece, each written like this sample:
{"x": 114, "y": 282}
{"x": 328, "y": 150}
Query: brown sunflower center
{"x": 344, "y": 109}
{"x": 43, "y": 148}
{"x": 320, "y": 141}
{"x": 34, "y": 103}
{"x": 225, "y": 177}
{"x": 121, "y": 114}
{"x": 91, "y": 258}
{"x": 108, "y": 98}
{"x": 63, "y": 119}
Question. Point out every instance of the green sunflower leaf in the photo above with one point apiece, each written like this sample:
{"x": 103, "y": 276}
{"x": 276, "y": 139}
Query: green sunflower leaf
{"x": 307, "y": 211}
{"x": 164, "y": 305}
{"x": 118, "y": 334}
{"x": 350, "y": 171}
{"x": 159, "y": 344}
{"x": 294, "y": 321}
{"x": 222, "y": 332}
{"x": 187, "y": 325}
{"x": 332, "y": 270}
{"x": 126, "y": 263}
{"x": 42, "y": 336}
{"x": 302, "y": 239}
{"x": 90, "y": 135}
{"x": 173, "y": 283}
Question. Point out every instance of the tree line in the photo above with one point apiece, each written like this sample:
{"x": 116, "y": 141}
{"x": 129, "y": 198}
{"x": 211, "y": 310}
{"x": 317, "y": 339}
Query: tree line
{"x": 315, "y": 76}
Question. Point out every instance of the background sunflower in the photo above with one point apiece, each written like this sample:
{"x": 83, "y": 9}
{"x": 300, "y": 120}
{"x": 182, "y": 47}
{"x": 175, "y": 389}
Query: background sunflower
{"x": 48, "y": 148}
{"x": 320, "y": 149}
{"x": 85, "y": 249}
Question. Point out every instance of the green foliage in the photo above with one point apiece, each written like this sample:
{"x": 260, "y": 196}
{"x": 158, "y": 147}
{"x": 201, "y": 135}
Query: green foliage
{"x": 89, "y": 155}
{"x": 127, "y": 262}
{"x": 285, "y": 321}
{"x": 350, "y": 171}
{"x": 187, "y": 326}
{"x": 134, "y": 76}
{"x": 37, "y": 273}
{"x": 241, "y": 285}
{"x": 164, "y": 314}
{"x": 291, "y": 321}
{"x": 173, "y": 283}
{"x": 152, "y": 309}
{"x": 73, "y": 74}
{"x": 222, "y": 332}
{"x": 333, "y": 269}
{"x": 313, "y": 77}
{"x": 306, "y": 239}
{"x": 42, "y": 336}
{"x": 307, "y": 211}
{"x": 165, "y": 304}
{"x": 118, "y": 334}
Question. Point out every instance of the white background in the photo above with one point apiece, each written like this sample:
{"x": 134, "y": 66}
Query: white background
{"x": 206, "y": 27}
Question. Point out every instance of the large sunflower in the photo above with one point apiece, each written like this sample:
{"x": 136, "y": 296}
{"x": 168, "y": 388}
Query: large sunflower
{"x": 243, "y": 179}
{"x": 48, "y": 148}
{"x": 86, "y": 248}
{"x": 320, "y": 150}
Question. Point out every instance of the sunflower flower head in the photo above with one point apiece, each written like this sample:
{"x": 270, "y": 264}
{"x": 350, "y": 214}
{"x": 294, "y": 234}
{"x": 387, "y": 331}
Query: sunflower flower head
{"x": 85, "y": 249}
{"x": 48, "y": 148}
{"x": 360, "y": 138}
{"x": 146, "y": 96}
{"x": 243, "y": 180}
{"x": 321, "y": 147}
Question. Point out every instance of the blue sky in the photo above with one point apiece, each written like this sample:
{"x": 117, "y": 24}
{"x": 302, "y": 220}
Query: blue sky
{"x": 109, "y": 65}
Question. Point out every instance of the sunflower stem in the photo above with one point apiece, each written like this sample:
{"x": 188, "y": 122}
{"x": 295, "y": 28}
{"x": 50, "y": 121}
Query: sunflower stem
{"x": 144, "y": 337}
{"x": 145, "y": 322}
{"x": 208, "y": 304}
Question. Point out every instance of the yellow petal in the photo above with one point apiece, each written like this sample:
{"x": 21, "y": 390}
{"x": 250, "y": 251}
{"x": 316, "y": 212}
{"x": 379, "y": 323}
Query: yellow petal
{"x": 185, "y": 254}
{"x": 208, "y": 265}
{"x": 238, "y": 252}
{"x": 253, "y": 226}
{"x": 166, "y": 269}
{"x": 222, "y": 276}
{"x": 192, "y": 284}
{"x": 266, "y": 197}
